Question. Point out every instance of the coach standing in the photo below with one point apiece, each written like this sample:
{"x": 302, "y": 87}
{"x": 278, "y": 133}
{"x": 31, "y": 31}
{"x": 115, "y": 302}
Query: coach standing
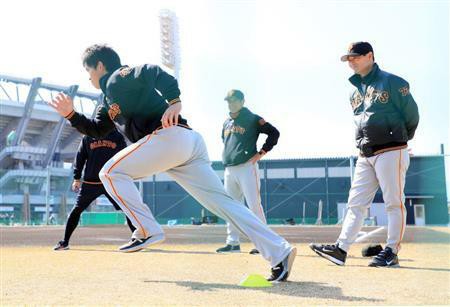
{"x": 386, "y": 118}
{"x": 240, "y": 157}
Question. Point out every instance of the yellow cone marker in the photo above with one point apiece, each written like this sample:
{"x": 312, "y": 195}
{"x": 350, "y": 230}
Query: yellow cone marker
{"x": 255, "y": 281}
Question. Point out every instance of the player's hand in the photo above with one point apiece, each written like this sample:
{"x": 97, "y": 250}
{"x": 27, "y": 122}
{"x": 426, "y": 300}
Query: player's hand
{"x": 63, "y": 104}
{"x": 256, "y": 158}
{"x": 76, "y": 185}
{"x": 170, "y": 117}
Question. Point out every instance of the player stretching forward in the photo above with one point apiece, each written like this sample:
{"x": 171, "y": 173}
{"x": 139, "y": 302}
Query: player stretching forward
{"x": 139, "y": 100}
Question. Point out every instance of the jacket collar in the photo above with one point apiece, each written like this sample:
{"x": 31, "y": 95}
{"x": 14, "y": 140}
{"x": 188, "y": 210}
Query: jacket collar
{"x": 104, "y": 80}
{"x": 242, "y": 111}
{"x": 356, "y": 79}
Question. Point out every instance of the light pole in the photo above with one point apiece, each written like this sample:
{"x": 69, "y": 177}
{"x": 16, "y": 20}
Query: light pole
{"x": 170, "y": 41}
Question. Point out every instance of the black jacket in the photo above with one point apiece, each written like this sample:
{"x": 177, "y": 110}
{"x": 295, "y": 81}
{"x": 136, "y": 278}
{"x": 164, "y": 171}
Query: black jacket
{"x": 94, "y": 153}
{"x": 135, "y": 100}
{"x": 240, "y": 134}
{"x": 385, "y": 113}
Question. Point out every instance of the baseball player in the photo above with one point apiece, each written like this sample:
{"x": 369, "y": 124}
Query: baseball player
{"x": 92, "y": 155}
{"x": 144, "y": 102}
{"x": 241, "y": 178}
{"x": 386, "y": 118}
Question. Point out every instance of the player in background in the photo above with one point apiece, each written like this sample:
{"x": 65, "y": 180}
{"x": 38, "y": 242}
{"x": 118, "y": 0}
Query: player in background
{"x": 386, "y": 118}
{"x": 240, "y": 157}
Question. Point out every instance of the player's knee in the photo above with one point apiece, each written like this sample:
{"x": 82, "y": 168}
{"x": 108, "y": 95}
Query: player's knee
{"x": 76, "y": 211}
{"x": 394, "y": 206}
{"x": 103, "y": 174}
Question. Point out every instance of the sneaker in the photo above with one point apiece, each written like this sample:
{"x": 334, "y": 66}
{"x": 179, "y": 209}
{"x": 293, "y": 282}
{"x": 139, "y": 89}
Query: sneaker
{"x": 282, "y": 270}
{"x": 331, "y": 252}
{"x": 254, "y": 252}
{"x": 385, "y": 258}
{"x": 136, "y": 244}
{"x": 229, "y": 249}
{"x": 62, "y": 245}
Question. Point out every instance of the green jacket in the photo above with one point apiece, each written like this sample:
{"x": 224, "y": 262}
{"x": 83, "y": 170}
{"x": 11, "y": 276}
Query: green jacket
{"x": 385, "y": 112}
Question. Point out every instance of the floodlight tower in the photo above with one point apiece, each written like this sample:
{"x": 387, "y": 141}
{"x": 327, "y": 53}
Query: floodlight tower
{"x": 170, "y": 42}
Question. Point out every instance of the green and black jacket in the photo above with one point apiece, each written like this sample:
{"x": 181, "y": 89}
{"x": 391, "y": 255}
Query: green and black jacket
{"x": 135, "y": 100}
{"x": 385, "y": 113}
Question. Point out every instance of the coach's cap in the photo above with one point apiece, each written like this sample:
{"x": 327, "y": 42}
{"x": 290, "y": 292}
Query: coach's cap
{"x": 358, "y": 48}
{"x": 234, "y": 95}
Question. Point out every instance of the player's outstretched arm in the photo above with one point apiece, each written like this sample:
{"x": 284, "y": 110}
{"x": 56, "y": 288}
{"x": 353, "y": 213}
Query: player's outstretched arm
{"x": 63, "y": 104}
{"x": 98, "y": 127}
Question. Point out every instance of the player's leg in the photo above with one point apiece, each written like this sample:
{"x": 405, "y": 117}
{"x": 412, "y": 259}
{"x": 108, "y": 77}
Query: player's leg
{"x": 88, "y": 193}
{"x": 117, "y": 207}
{"x": 152, "y": 154}
{"x": 199, "y": 179}
{"x": 362, "y": 192}
{"x": 249, "y": 180}
{"x": 391, "y": 170}
{"x": 233, "y": 189}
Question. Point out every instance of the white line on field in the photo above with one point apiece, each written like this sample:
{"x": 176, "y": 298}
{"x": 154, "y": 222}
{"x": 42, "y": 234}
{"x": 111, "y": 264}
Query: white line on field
{"x": 369, "y": 234}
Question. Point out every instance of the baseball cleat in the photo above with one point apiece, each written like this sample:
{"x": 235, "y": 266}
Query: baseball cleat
{"x": 330, "y": 252}
{"x": 229, "y": 249}
{"x": 136, "y": 244}
{"x": 62, "y": 245}
{"x": 282, "y": 270}
{"x": 386, "y": 258}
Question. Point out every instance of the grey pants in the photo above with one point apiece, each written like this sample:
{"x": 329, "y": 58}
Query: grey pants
{"x": 242, "y": 183}
{"x": 182, "y": 154}
{"x": 387, "y": 171}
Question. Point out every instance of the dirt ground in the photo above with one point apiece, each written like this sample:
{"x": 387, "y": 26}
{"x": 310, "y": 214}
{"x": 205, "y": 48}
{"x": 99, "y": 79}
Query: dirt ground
{"x": 185, "y": 270}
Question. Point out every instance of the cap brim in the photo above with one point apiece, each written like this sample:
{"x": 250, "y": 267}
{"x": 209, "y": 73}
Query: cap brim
{"x": 344, "y": 58}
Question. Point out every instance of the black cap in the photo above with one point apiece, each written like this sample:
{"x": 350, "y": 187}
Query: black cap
{"x": 358, "y": 48}
{"x": 234, "y": 94}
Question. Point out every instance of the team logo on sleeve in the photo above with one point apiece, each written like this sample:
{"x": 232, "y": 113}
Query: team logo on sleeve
{"x": 125, "y": 71}
{"x": 113, "y": 111}
{"x": 404, "y": 91}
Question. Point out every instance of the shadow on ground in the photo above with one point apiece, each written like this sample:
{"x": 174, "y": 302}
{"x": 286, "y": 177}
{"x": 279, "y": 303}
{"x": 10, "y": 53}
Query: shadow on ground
{"x": 293, "y": 289}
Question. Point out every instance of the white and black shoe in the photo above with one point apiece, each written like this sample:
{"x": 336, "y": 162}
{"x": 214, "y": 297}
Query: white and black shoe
{"x": 61, "y": 245}
{"x": 330, "y": 252}
{"x": 136, "y": 244}
{"x": 282, "y": 270}
{"x": 386, "y": 258}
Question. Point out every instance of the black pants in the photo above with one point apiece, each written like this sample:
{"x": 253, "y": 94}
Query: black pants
{"x": 88, "y": 193}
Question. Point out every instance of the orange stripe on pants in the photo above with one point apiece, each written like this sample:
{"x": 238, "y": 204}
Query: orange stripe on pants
{"x": 400, "y": 195}
{"x": 107, "y": 175}
{"x": 258, "y": 192}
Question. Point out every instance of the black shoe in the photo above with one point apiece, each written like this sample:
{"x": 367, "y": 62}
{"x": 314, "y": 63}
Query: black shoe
{"x": 385, "y": 258}
{"x": 229, "y": 249}
{"x": 282, "y": 270}
{"x": 136, "y": 245}
{"x": 62, "y": 245}
{"x": 331, "y": 252}
{"x": 254, "y": 252}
